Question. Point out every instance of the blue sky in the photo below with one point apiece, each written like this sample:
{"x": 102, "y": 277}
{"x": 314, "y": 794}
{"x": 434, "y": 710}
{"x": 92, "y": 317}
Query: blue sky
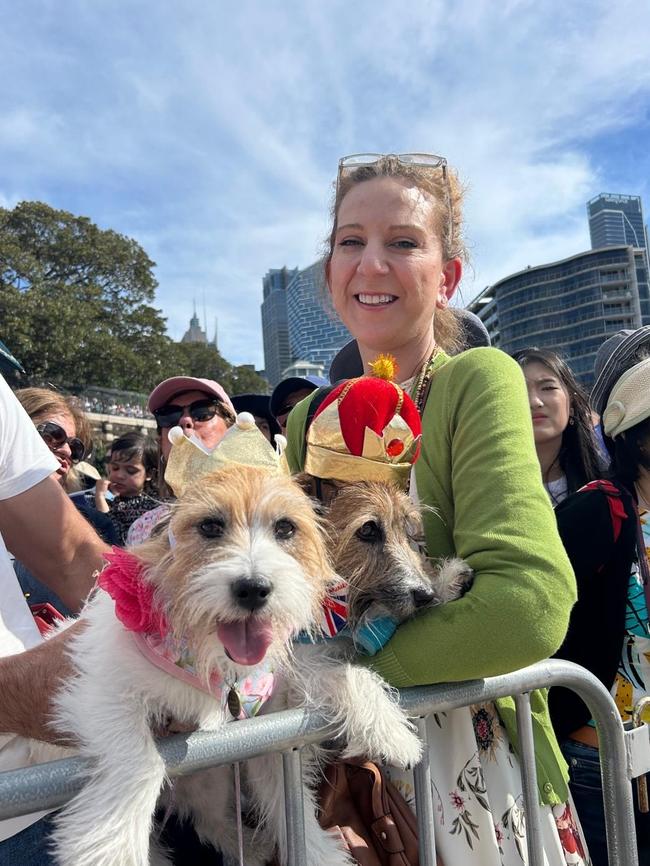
{"x": 210, "y": 131}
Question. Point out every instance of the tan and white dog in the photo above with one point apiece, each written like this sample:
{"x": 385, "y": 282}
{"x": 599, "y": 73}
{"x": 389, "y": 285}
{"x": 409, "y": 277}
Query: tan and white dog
{"x": 242, "y": 568}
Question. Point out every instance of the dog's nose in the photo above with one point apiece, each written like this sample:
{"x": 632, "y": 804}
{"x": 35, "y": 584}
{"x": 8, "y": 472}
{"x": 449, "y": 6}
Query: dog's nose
{"x": 251, "y": 593}
{"x": 422, "y": 597}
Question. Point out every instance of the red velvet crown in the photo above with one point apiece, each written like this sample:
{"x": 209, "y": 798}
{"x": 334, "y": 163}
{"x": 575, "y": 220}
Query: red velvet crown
{"x": 365, "y": 429}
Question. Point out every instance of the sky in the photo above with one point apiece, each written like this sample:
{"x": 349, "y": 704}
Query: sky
{"x": 210, "y": 131}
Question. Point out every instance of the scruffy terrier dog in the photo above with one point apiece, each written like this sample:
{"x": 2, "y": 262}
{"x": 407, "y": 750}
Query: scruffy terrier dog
{"x": 242, "y": 568}
{"x": 377, "y": 544}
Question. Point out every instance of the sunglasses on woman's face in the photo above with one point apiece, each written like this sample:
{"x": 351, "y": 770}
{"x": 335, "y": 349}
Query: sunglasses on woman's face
{"x": 200, "y": 410}
{"x": 55, "y": 437}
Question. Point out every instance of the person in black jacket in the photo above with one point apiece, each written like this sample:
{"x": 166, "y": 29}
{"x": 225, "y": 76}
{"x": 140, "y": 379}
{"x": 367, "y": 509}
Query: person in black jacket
{"x": 605, "y": 527}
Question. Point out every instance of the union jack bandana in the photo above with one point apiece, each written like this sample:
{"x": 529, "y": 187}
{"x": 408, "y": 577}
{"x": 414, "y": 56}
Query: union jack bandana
{"x": 334, "y": 614}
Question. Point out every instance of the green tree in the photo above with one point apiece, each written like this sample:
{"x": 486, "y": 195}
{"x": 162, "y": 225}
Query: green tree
{"x": 76, "y": 300}
{"x": 76, "y": 307}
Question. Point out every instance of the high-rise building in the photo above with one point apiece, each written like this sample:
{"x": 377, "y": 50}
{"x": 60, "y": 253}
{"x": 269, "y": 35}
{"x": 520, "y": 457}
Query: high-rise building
{"x": 275, "y": 327}
{"x": 570, "y": 306}
{"x": 315, "y": 332}
{"x": 296, "y": 325}
{"x": 617, "y": 219}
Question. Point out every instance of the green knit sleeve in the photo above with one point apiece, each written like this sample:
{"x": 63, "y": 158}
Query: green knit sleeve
{"x": 296, "y": 422}
{"x": 479, "y": 470}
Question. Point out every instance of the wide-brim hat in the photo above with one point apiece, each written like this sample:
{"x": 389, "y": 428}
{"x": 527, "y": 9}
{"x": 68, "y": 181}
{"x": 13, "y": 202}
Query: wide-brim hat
{"x": 259, "y": 405}
{"x": 288, "y": 386}
{"x": 613, "y": 358}
{"x": 347, "y": 362}
{"x": 162, "y": 394}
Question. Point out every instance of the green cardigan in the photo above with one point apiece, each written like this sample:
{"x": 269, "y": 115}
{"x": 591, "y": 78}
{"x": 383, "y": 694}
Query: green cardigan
{"x": 479, "y": 471}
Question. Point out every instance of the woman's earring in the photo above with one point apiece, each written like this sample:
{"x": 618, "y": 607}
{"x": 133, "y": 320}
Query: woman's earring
{"x": 572, "y": 420}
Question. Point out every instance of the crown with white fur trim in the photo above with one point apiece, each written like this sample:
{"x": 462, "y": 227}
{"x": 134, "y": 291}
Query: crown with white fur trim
{"x": 242, "y": 444}
{"x": 367, "y": 429}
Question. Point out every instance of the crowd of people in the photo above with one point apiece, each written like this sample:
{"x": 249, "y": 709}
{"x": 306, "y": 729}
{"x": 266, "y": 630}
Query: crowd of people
{"x": 541, "y": 489}
{"x": 98, "y": 406}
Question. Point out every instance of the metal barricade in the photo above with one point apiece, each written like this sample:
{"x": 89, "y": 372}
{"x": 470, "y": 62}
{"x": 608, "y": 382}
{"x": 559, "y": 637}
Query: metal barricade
{"x": 623, "y": 755}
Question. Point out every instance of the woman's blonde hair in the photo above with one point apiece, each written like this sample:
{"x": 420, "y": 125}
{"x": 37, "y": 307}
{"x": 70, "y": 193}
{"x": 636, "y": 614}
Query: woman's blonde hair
{"x": 447, "y": 192}
{"x": 41, "y": 402}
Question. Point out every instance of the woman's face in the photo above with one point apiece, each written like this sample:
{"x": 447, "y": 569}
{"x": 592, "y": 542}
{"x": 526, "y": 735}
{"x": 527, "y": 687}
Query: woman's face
{"x": 61, "y": 452}
{"x": 386, "y": 275}
{"x": 209, "y": 432}
{"x": 550, "y": 404}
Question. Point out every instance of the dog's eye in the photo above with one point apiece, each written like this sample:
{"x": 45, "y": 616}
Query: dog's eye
{"x": 370, "y": 531}
{"x": 284, "y": 529}
{"x": 211, "y": 527}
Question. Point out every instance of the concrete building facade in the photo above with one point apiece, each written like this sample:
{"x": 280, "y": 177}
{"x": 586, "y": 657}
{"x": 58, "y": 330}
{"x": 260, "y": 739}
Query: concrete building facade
{"x": 570, "y": 306}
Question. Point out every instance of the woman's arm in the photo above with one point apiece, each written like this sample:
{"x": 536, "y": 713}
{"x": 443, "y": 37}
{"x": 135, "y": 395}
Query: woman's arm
{"x": 480, "y": 471}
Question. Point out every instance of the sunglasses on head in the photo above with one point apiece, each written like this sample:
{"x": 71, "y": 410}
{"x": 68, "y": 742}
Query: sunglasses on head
{"x": 55, "y": 437}
{"x": 349, "y": 164}
{"x": 200, "y": 410}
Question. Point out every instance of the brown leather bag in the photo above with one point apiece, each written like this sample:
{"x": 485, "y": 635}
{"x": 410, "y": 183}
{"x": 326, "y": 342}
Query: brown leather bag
{"x": 359, "y": 802}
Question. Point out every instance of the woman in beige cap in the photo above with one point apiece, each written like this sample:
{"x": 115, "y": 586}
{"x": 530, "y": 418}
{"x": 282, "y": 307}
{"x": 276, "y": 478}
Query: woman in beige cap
{"x": 605, "y": 532}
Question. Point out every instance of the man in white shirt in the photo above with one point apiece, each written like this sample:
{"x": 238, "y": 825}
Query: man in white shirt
{"x": 42, "y": 528}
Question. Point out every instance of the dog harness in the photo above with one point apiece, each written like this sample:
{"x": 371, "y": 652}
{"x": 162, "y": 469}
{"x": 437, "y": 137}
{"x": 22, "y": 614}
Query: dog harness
{"x": 137, "y": 610}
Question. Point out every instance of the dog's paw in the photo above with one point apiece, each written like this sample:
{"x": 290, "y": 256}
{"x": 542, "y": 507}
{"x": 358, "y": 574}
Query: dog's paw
{"x": 397, "y": 745}
{"x": 453, "y": 578}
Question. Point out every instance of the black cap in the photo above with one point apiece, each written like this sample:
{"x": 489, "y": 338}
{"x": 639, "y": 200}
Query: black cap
{"x": 8, "y": 363}
{"x": 288, "y": 386}
{"x": 256, "y": 404}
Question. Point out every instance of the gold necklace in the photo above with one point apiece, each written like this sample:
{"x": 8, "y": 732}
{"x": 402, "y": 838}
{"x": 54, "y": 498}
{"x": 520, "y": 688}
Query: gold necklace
{"x": 424, "y": 377}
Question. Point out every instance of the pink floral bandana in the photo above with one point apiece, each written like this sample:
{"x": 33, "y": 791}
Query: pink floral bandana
{"x": 244, "y": 698}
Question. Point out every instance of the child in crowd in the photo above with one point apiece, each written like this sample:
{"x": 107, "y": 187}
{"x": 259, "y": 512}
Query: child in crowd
{"x": 132, "y": 468}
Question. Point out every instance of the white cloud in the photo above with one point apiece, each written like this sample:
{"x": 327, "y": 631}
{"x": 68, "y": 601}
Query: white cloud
{"x": 212, "y": 134}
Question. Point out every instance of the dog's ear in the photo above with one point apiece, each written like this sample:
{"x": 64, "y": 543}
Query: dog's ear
{"x": 307, "y": 484}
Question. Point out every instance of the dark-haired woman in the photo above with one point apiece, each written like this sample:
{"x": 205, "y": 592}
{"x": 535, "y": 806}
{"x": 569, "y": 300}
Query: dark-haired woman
{"x": 565, "y": 441}
{"x": 606, "y": 533}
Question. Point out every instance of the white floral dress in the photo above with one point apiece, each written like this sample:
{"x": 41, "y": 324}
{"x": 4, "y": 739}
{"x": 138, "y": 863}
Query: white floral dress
{"x": 478, "y": 800}
{"x": 477, "y": 793}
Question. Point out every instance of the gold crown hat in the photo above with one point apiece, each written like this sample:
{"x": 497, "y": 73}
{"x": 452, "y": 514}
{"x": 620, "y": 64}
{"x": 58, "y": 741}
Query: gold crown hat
{"x": 243, "y": 444}
{"x": 366, "y": 429}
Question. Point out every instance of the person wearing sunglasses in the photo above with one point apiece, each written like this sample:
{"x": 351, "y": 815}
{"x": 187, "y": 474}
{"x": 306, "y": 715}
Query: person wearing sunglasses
{"x": 61, "y": 425}
{"x": 394, "y": 262}
{"x": 201, "y": 408}
{"x": 289, "y": 392}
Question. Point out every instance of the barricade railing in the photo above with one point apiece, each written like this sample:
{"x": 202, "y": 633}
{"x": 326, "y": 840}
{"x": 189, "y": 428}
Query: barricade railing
{"x": 623, "y": 756}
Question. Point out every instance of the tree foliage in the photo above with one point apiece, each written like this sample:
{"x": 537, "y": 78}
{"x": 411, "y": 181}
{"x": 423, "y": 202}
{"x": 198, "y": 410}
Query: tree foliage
{"x": 76, "y": 307}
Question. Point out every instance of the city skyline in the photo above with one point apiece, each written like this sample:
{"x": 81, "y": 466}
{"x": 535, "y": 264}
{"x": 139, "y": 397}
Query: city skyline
{"x": 217, "y": 152}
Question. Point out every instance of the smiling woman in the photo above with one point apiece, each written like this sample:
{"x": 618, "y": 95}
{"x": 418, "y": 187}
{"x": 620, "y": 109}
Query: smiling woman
{"x": 61, "y": 424}
{"x": 394, "y": 262}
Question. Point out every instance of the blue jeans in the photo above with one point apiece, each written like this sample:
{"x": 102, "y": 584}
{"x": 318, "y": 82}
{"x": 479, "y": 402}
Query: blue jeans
{"x": 29, "y": 847}
{"x": 587, "y": 791}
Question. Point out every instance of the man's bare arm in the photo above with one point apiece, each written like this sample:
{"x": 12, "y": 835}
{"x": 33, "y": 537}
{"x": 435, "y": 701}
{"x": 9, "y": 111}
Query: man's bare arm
{"x": 43, "y": 529}
{"x": 28, "y": 681}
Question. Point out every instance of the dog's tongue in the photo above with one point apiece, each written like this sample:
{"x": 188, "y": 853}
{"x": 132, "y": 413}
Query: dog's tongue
{"x": 246, "y": 640}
